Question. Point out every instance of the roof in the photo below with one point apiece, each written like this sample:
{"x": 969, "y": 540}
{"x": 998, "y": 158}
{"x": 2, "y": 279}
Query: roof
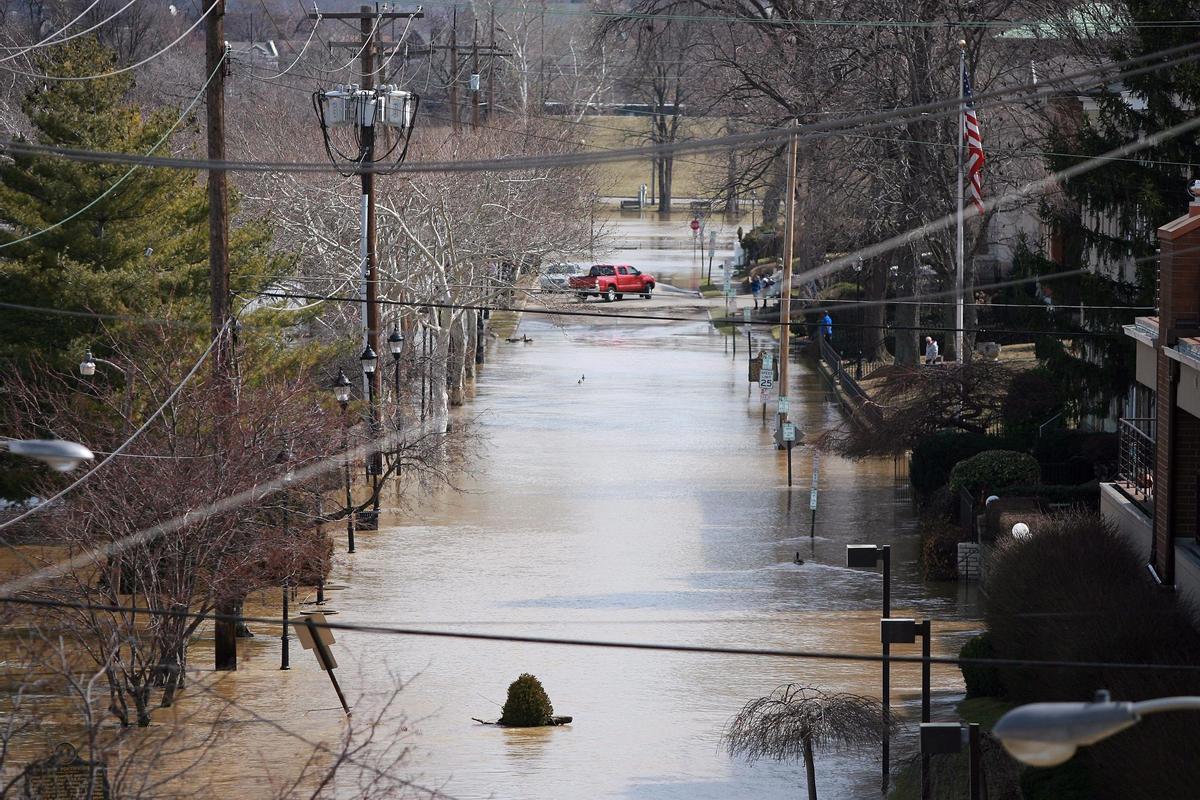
{"x": 1089, "y": 19}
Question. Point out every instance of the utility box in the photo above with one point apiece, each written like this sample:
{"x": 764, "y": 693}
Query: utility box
{"x": 338, "y": 105}
{"x": 396, "y": 107}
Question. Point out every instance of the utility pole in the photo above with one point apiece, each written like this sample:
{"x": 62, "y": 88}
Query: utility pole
{"x": 491, "y": 85}
{"x": 785, "y": 298}
{"x": 369, "y": 109}
{"x": 454, "y": 71}
{"x": 225, "y": 629}
{"x": 475, "y": 76}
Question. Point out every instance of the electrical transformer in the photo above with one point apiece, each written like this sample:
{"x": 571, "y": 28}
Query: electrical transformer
{"x": 397, "y": 106}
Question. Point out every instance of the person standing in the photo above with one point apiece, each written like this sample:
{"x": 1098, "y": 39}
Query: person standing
{"x": 755, "y": 289}
{"x": 827, "y": 327}
{"x": 931, "y": 351}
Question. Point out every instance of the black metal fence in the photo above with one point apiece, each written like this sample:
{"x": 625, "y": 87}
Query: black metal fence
{"x": 844, "y": 378}
{"x": 1135, "y": 464}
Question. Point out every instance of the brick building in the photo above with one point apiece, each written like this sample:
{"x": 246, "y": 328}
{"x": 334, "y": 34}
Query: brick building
{"x": 1156, "y": 500}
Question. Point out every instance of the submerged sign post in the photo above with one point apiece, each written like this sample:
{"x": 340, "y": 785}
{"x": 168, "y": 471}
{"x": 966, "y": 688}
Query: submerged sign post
{"x": 789, "y": 441}
{"x": 766, "y": 381}
{"x": 316, "y": 636}
{"x": 812, "y": 495}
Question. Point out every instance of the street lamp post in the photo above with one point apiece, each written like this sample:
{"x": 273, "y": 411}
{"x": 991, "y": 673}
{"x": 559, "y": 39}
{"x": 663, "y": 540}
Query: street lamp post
{"x": 341, "y": 390}
{"x": 906, "y": 631}
{"x": 396, "y": 346}
{"x": 87, "y": 368}
{"x": 370, "y": 361}
{"x": 939, "y": 738}
{"x": 1048, "y": 734}
{"x": 866, "y": 556}
{"x": 285, "y": 459}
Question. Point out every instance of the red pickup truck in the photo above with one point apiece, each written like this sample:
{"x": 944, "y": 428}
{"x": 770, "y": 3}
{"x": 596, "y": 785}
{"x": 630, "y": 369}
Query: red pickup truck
{"x": 612, "y": 282}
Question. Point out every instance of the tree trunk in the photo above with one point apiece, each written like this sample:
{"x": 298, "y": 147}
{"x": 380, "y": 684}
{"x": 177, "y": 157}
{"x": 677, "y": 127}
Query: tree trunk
{"x": 456, "y": 367}
{"x": 875, "y": 283}
{"x": 664, "y": 184}
{"x": 225, "y": 634}
{"x": 907, "y": 342}
{"x": 810, "y": 769}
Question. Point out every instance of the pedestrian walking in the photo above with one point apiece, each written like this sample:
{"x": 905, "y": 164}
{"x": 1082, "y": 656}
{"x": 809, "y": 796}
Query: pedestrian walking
{"x": 755, "y": 289}
{"x": 931, "y": 351}
{"x": 827, "y": 327}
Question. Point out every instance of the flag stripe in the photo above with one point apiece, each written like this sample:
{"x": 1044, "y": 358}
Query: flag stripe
{"x": 974, "y": 144}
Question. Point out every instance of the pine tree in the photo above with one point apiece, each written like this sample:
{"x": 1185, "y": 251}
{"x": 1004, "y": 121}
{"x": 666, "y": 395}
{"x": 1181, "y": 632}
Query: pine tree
{"x": 140, "y": 250}
{"x": 1131, "y": 198}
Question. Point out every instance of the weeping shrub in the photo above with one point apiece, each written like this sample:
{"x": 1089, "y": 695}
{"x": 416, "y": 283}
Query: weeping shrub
{"x": 981, "y": 681}
{"x": 527, "y": 704}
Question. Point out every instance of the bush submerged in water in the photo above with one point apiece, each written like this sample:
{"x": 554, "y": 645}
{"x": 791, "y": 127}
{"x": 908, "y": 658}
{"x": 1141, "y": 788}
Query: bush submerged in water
{"x": 527, "y": 704}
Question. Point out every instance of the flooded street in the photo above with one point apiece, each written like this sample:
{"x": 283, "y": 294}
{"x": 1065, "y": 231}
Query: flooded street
{"x": 642, "y": 503}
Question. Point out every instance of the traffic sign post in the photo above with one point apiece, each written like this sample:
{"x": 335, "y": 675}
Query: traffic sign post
{"x": 812, "y": 495}
{"x": 789, "y": 441}
{"x": 313, "y": 635}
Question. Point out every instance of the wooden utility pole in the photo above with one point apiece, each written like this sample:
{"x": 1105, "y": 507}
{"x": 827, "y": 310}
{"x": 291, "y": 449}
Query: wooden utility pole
{"x": 225, "y": 629}
{"x": 454, "y": 71}
{"x": 785, "y": 297}
{"x": 491, "y": 85}
{"x": 475, "y": 76}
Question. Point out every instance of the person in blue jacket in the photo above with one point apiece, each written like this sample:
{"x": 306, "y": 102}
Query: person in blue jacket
{"x": 827, "y": 327}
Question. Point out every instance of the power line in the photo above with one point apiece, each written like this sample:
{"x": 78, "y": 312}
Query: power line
{"x": 817, "y": 130}
{"x": 118, "y": 71}
{"x": 46, "y": 42}
{"x": 812, "y": 655}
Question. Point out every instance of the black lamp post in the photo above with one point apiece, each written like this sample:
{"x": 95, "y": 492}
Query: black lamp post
{"x": 396, "y": 346}
{"x": 341, "y": 390}
{"x": 906, "y": 631}
{"x": 949, "y": 737}
{"x": 370, "y": 361}
{"x": 285, "y": 459}
{"x": 866, "y": 556}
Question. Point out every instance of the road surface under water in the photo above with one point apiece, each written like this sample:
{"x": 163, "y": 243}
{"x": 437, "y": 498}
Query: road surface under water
{"x": 643, "y": 503}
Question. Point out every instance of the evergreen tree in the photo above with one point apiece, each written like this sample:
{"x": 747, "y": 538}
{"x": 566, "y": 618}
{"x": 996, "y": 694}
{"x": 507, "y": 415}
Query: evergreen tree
{"x": 140, "y": 250}
{"x": 1131, "y": 198}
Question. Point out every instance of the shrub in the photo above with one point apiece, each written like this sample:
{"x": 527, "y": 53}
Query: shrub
{"x": 939, "y": 549}
{"x": 1077, "y": 591}
{"x": 981, "y": 681}
{"x": 934, "y": 456}
{"x": 527, "y": 704}
{"x": 993, "y": 470}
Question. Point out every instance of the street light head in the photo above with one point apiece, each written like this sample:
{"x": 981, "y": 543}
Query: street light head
{"x": 341, "y": 387}
{"x": 59, "y": 455}
{"x": 1047, "y": 734}
{"x": 396, "y": 343}
{"x": 87, "y": 367}
{"x": 862, "y": 556}
{"x": 897, "y": 630}
{"x": 368, "y": 359}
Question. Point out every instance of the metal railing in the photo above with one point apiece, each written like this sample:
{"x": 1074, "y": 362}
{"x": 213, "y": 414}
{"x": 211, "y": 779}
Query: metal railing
{"x": 1135, "y": 463}
{"x": 844, "y": 379}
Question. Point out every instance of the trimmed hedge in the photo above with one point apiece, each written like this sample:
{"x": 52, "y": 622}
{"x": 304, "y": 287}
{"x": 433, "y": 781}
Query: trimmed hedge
{"x": 981, "y": 681}
{"x": 527, "y": 704}
{"x": 934, "y": 457}
{"x": 993, "y": 470}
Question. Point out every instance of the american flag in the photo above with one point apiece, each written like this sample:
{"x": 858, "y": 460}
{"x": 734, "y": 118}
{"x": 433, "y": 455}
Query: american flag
{"x": 974, "y": 144}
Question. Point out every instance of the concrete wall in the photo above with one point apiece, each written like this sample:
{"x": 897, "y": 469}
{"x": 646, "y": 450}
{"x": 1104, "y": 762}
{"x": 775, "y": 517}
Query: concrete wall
{"x": 1131, "y": 521}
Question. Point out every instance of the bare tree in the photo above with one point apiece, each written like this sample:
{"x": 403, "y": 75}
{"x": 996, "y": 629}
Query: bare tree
{"x": 794, "y": 721}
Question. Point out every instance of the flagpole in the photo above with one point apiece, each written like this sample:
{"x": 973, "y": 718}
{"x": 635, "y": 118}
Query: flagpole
{"x": 960, "y": 267}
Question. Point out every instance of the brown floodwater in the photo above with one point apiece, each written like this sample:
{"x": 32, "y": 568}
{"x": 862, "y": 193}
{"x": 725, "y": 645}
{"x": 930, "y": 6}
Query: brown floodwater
{"x": 643, "y": 503}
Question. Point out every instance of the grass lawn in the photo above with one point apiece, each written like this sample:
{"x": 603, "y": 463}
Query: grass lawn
{"x": 694, "y": 175}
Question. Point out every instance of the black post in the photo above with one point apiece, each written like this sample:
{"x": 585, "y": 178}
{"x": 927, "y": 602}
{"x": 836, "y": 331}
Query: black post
{"x": 375, "y": 459}
{"x": 926, "y": 648}
{"x": 861, "y": 318}
{"x": 812, "y": 524}
{"x": 789, "y": 452}
{"x": 346, "y": 468}
{"x": 424, "y": 365}
{"x": 974, "y": 773}
{"x": 283, "y": 653}
{"x": 886, "y": 666}
{"x": 326, "y": 659}
{"x": 398, "y": 385}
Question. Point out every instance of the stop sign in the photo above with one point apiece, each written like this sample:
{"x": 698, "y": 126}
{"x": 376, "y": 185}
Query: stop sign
{"x": 695, "y": 225}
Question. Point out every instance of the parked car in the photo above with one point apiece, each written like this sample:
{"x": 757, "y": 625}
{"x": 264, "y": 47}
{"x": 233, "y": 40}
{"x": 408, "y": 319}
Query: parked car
{"x": 557, "y": 277}
{"x": 613, "y": 282}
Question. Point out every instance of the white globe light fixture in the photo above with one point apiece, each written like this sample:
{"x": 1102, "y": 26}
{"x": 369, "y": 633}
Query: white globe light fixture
{"x": 60, "y": 455}
{"x": 87, "y": 367}
{"x": 1020, "y": 531}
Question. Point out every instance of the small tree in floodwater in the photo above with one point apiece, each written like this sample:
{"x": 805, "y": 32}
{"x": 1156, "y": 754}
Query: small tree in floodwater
{"x": 527, "y": 704}
{"x": 792, "y": 721}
